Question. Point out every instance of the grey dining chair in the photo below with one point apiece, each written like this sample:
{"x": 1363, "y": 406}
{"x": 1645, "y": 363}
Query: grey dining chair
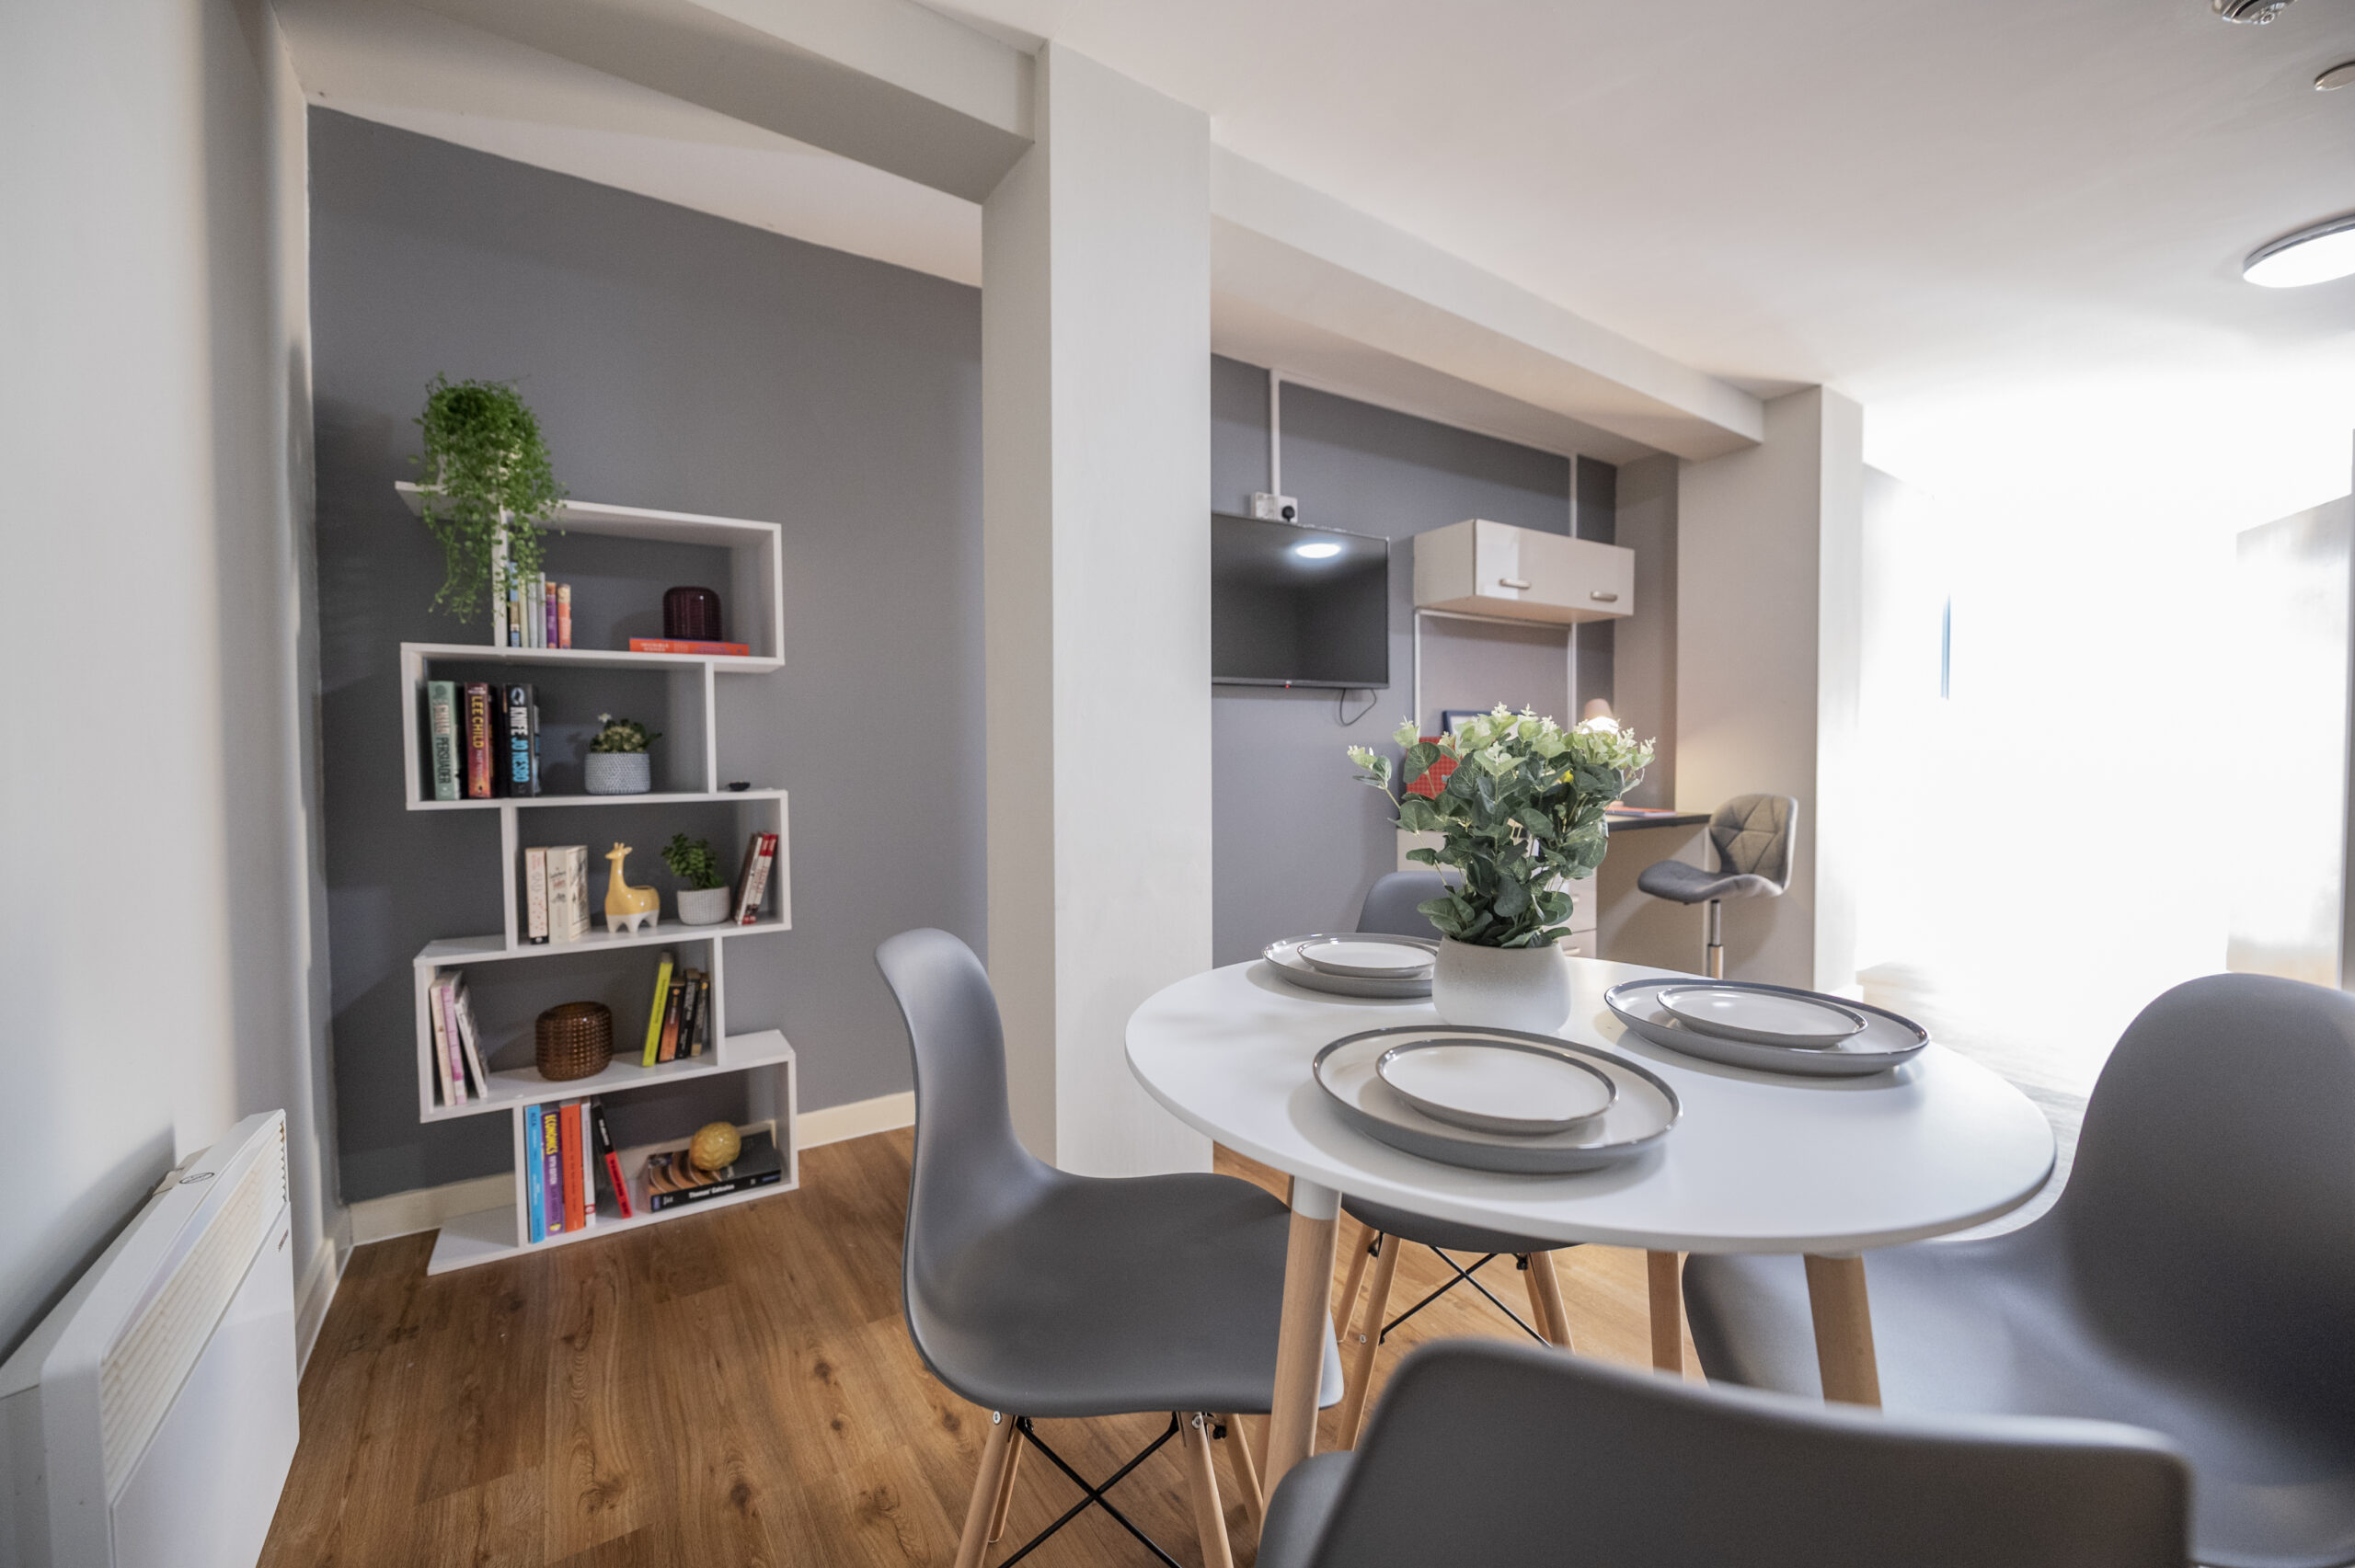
{"x": 1483, "y": 1453}
{"x": 1033, "y": 1292}
{"x": 1751, "y": 835}
{"x": 1390, "y": 909}
{"x": 2195, "y": 1276}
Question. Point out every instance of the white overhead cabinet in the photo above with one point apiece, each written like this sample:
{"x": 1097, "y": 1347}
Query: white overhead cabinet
{"x": 1479, "y": 568}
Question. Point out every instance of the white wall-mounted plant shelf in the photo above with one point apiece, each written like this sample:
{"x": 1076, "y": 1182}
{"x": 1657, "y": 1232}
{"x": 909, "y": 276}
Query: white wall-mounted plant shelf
{"x": 688, "y": 774}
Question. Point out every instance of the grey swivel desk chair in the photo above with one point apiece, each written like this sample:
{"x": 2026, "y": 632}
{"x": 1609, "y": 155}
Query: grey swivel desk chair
{"x": 1390, "y": 908}
{"x": 2197, "y": 1276}
{"x": 1033, "y": 1292}
{"x": 1485, "y": 1454}
{"x": 1751, "y": 835}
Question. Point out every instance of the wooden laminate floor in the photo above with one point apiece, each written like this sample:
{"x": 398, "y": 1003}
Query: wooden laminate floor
{"x": 735, "y": 1388}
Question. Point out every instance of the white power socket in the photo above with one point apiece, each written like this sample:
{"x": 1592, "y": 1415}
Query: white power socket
{"x": 1274, "y": 508}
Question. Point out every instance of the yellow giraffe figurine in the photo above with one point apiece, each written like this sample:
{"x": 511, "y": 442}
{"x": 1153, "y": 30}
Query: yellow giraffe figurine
{"x": 626, "y": 905}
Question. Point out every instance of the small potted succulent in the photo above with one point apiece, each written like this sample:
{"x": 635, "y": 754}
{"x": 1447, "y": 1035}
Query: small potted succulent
{"x": 703, "y": 899}
{"x": 618, "y": 763}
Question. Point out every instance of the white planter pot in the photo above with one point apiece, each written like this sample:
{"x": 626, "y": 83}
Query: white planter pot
{"x": 704, "y": 906}
{"x": 620, "y": 772}
{"x": 1501, "y": 988}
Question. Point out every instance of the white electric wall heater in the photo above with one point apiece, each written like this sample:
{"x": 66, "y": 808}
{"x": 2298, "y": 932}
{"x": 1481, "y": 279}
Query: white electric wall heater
{"x": 150, "y": 1420}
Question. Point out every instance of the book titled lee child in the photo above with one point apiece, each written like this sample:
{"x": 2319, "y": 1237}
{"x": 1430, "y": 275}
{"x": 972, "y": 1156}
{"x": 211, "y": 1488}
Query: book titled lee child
{"x": 442, "y": 733}
{"x": 535, "y": 896}
{"x": 752, "y": 882}
{"x": 480, "y": 774}
{"x": 611, "y": 1158}
{"x": 681, "y": 645}
{"x": 662, "y": 969}
{"x": 534, "y": 1203}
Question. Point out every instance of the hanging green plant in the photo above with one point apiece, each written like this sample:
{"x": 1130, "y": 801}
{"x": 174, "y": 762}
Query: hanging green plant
{"x": 487, "y": 485}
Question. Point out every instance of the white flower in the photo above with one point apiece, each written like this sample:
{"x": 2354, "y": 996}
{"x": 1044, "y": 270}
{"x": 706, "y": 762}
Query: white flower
{"x": 1407, "y": 732}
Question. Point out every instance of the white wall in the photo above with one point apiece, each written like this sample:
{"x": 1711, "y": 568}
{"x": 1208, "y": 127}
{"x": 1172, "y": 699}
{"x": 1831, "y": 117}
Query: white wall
{"x": 157, "y": 956}
{"x": 1095, "y": 537}
{"x": 1643, "y": 663}
{"x": 1768, "y": 563}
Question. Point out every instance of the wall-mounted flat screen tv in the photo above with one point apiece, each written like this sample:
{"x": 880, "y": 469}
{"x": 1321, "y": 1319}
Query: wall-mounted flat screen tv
{"x": 1298, "y": 606}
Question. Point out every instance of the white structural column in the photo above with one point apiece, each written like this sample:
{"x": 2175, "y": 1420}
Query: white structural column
{"x": 1095, "y": 538}
{"x": 1768, "y": 634}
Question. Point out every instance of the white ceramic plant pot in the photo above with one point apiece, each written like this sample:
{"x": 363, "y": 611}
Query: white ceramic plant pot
{"x": 1501, "y": 988}
{"x": 620, "y": 772}
{"x": 703, "y": 906}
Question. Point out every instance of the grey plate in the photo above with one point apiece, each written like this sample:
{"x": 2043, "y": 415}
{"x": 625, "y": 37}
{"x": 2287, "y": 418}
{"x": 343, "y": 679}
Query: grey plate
{"x": 1389, "y": 1065}
{"x": 1285, "y": 960}
{"x": 1638, "y": 1119}
{"x": 1307, "y": 947}
{"x": 1844, "y": 1021}
{"x": 1886, "y": 1038}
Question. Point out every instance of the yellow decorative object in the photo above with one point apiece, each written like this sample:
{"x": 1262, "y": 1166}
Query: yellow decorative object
{"x": 714, "y": 1148}
{"x": 626, "y": 905}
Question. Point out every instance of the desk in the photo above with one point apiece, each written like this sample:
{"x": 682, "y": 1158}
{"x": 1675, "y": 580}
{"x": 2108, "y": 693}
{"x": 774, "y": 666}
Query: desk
{"x": 1759, "y": 1162}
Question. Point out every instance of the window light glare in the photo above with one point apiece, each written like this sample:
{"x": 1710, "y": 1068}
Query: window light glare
{"x": 2311, "y": 256}
{"x": 1325, "y": 549}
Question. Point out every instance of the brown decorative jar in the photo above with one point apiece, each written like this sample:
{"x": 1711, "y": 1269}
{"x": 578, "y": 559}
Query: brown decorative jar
{"x": 573, "y": 1039}
{"x": 691, "y": 614}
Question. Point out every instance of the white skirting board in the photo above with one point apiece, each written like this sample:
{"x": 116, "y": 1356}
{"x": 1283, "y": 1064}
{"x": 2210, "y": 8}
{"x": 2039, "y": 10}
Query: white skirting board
{"x": 428, "y": 1208}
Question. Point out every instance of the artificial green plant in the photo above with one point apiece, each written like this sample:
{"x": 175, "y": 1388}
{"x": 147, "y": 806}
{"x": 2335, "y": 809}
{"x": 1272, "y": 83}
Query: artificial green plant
{"x": 486, "y": 485}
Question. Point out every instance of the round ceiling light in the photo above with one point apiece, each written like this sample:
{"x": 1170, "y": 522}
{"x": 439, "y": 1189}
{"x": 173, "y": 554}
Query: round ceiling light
{"x": 2314, "y": 255}
{"x": 1320, "y": 550}
{"x": 2257, "y": 11}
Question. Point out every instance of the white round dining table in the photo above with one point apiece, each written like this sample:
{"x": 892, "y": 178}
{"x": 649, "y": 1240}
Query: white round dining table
{"x": 1758, "y": 1163}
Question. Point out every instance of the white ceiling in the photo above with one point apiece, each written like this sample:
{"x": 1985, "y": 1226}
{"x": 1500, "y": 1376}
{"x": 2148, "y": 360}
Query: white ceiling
{"x": 2013, "y": 232}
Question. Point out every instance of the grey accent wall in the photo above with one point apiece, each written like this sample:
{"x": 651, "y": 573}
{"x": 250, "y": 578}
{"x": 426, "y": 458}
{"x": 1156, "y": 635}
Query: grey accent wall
{"x": 1296, "y": 842}
{"x": 674, "y": 360}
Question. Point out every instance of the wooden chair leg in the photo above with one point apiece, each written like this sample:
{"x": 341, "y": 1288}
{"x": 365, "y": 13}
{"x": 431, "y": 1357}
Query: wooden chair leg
{"x": 1545, "y": 1296}
{"x": 1345, "y": 1306}
{"x": 1005, "y": 1485}
{"x": 1245, "y": 1467}
{"x": 1368, "y": 1342}
{"x": 1666, "y": 1286}
{"x": 997, "y": 1455}
{"x": 1210, "y": 1516}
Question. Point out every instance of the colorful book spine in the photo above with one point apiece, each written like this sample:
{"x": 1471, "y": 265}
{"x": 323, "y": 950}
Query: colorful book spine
{"x": 587, "y": 1163}
{"x": 479, "y": 738}
{"x": 563, "y": 615}
{"x": 522, "y": 751}
{"x": 669, "y": 1049}
{"x": 690, "y": 998}
{"x": 576, "y": 1215}
{"x": 683, "y": 644}
{"x": 703, "y": 1016}
{"x": 442, "y": 733}
{"x": 516, "y": 614}
{"x": 754, "y": 884}
{"x": 551, "y": 634}
{"x": 611, "y": 1157}
{"x": 654, "y": 1014}
{"x": 551, "y": 1170}
{"x": 535, "y": 1200}
{"x": 535, "y": 896}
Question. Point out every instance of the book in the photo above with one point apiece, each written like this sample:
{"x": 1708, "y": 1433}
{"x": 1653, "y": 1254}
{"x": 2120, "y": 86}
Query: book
{"x": 752, "y": 882}
{"x": 497, "y": 597}
{"x": 551, "y": 600}
{"x": 515, "y": 613}
{"x": 535, "y": 618}
{"x": 535, "y": 896}
{"x": 568, "y": 1127}
{"x": 683, "y": 645}
{"x": 535, "y": 1211}
{"x": 668, "y": 1050}
{"x": 462, "y": 1001}
{"x": 437, "y": 1005}
{"x": 569, "y": 893}
{"x": 690, "y": 998}
{"x": 587, "y": 1163}
{"x": 672, "y": 1180}
{"x": 661, "y": 998}
{"x": 521, "y": 756}
{"x": 563, "y": 615}
{"x": 441, "y": 736}
{"x": 611, "y": 1157}
{"x": 703, "y": 1016}
{"x": 478, "y": 738}
{"x": 551, "y": 1170}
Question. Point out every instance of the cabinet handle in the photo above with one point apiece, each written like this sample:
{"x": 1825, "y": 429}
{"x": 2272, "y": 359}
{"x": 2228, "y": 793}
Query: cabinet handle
{"x": 1513, "y": 582}
{"x": 1605, "y": 597}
